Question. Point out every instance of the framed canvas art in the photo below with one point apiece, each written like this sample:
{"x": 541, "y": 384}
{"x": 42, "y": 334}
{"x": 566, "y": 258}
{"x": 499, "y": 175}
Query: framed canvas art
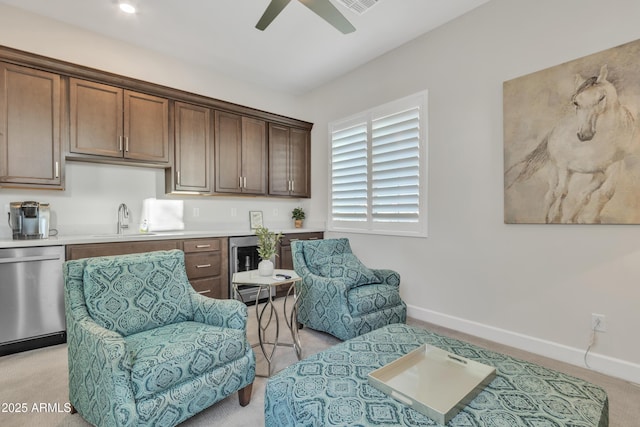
{"x": 571, "y": 141}
{"x": 255, "y": 219}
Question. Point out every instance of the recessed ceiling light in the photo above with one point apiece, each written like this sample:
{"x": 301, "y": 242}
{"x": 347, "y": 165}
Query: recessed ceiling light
{"x": 127, "y": 8}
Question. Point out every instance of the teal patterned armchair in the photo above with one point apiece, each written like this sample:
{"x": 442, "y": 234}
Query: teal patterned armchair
{"x": 145, "y": 349}
{"x": 341, "y": 296}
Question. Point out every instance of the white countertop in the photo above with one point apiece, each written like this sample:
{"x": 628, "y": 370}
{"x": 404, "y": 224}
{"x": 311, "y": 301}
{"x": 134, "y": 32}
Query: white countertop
{"x": 79, "y": 239}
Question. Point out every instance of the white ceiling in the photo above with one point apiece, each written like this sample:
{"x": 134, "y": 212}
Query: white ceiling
{"x": 298, "y": 52}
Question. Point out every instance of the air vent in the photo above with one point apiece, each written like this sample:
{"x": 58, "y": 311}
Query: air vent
{"x": 359, "y": 6}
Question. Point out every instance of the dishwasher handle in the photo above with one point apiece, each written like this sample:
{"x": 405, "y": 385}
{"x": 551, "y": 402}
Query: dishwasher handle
{"x": 30, "y": 258}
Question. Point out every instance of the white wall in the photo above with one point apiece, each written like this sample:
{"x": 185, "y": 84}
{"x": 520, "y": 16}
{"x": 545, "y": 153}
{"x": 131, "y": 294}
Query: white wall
{"x": 532, "y": 286}
{"x": 93, "y": 191}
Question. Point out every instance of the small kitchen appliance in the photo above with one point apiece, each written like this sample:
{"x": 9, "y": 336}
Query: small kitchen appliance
{"x": 29, "y": 220}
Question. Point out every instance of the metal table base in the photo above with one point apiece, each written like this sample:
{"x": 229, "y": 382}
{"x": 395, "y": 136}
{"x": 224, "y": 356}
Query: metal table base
{"x": 267, "y": 313}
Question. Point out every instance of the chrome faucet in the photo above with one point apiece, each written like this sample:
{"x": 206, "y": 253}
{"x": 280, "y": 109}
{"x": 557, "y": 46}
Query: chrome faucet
{"x": 123, "y": 214}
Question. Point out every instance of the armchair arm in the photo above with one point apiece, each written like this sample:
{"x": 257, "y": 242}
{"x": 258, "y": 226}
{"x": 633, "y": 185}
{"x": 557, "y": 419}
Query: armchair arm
{"x": 228, "y": 313}
{"x": 102, "y": 352}
{"x": 388, "y": 277}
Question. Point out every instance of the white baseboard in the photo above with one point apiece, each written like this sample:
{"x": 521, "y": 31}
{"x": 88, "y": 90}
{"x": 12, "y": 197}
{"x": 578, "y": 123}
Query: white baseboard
{"x": 597, "y": 362}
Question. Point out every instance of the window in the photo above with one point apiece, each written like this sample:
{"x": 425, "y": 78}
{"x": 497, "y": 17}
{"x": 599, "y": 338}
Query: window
{"x": 379, "y": 169}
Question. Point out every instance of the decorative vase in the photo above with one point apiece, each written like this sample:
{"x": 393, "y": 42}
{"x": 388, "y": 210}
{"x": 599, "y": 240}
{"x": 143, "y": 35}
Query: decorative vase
{"x": 265, "y": 267}
{"x": 298, "y": 223}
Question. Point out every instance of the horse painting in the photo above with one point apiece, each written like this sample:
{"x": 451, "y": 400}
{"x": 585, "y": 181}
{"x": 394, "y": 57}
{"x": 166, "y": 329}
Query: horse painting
{"x": 591, "y": 141}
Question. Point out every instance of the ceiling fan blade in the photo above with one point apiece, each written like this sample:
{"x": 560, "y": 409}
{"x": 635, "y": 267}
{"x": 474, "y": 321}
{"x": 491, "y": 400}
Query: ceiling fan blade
{"x": 328, "y": 12}
{"x": 273, "y": 10}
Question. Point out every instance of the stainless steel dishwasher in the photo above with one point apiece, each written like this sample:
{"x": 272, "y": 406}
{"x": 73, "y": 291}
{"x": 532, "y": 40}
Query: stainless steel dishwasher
{"x": 31, "y": 298}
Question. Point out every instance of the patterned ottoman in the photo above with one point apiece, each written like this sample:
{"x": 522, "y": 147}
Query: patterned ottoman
{"x": 331, "y": 388}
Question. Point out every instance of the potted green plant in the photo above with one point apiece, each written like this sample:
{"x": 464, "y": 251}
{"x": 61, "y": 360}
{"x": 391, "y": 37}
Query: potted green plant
{"x": 298, "y": 215}
{"x": 267, "y": 246}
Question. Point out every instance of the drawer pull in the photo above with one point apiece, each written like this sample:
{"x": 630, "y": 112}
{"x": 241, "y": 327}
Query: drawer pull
{"x": 313, "y": 238}
{"x": 203, "y": 266}
{"x": 205, "y": 292}
{"x": 203, "y": 246}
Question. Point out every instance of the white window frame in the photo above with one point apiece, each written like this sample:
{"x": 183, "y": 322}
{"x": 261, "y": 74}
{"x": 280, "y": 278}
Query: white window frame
{"x": 367, "y": 224}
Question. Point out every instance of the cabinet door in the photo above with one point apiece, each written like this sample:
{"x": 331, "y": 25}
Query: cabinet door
{"x": 279, "y": 183}
{"x": 29, "y": 127}
{"x": 193, "y": 144}
{"x": 146, "y": 127}
{"x": 289, "y": 161}
{"x": 96, "y": 119}
{"x": 300, "y": 163}
{"x": 254, "y": 156}
{"x": 228, "y": 149}
{"x": 286, "y": 261}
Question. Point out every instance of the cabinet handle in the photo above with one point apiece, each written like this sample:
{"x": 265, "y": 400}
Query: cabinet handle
{"x": 293, "y": 185}
{"x": 120, "y": 143}
{"x": 244, "y": 182}
{"x": 126, "y": 144}
{"x": 313, "y": 238}
{"x": 178, "y": 177}
{"x": 240, "y": 182}
{"x": 205, "y": 292}
{"x": 57, "y": 170}
{"x": 203, "y": 246}
{"x": 203, "y": 266}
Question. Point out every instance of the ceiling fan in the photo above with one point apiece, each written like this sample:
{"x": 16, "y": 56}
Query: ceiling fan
{"x": 322, "y": 8}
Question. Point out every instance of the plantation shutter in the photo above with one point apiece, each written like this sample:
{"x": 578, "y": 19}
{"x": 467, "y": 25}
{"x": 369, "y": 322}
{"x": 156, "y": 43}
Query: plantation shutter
{"x": 349, "y": 173}
{"x": 379, "y": 168}
{"x": 395, "y": 170}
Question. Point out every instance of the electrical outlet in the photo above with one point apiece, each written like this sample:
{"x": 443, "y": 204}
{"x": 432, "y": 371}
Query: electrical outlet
{"x": 196, "y": 212}
{"x": 275, "y": 211}
{"x": 234, "y": 212}
{"x": 598, "y": 322}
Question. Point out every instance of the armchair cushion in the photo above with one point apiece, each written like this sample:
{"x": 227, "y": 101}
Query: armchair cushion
{"x": 314, "y": 249}
{"x": 141, "y": 293}
{"x": 345, "y": 266}
{"x": 172, "y": 354}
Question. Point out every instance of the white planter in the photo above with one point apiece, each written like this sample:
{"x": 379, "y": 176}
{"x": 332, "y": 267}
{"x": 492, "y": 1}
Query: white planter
{"x": 265, "y": 267}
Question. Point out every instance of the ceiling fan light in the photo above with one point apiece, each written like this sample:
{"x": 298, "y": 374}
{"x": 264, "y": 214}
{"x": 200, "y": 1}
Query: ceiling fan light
{"x": 127, "y": 8}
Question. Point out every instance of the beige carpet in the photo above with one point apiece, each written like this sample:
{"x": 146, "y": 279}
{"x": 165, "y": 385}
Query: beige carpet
{"x": 40, "y": 377}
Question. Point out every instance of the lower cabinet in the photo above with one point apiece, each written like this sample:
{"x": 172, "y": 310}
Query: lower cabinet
{"x": 206, "y": 260}
{"x": 106, "y": 249}
{"x": 284, "y": 259}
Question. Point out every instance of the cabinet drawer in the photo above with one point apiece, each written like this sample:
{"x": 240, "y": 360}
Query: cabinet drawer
{"x": 202, "y": 264}
{"x": 202, "y": 245}
{"x": 210, "y": 287}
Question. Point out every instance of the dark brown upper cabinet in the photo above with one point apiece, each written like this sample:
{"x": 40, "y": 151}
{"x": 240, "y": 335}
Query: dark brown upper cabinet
{"x": 193, "y": 136}
{"x": 52, "y": 110}
{"x": 116, "y": 123}
{"x": 289, "y": 161}
{"x": 240, "y": 154}
{"x": 30, "y": 128}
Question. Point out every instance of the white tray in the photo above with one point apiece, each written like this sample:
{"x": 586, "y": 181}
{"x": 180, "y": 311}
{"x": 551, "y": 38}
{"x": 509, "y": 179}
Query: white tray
{"x": 432, "y": 381}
